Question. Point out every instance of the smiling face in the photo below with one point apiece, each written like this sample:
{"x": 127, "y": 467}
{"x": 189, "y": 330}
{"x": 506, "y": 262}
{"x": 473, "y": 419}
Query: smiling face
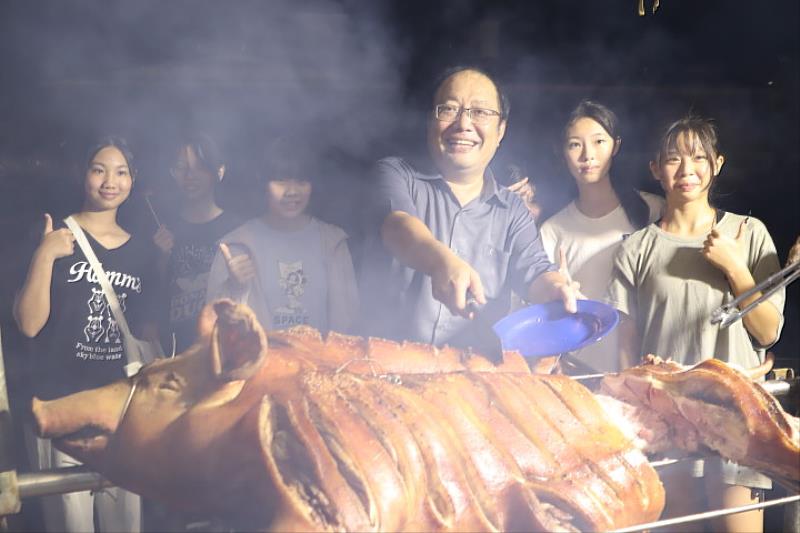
{"x": 287, "y": 198}
{"x": 589, "y": 150}
{"x": 108, "y": 180}
{"x": 460, "y": 147}
{"x": 192, "y": 177}
{"x": 685, "y": 169}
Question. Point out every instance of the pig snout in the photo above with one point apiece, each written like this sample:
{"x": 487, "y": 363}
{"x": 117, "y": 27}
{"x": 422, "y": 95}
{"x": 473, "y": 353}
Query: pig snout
{"x": 97, "y": 411}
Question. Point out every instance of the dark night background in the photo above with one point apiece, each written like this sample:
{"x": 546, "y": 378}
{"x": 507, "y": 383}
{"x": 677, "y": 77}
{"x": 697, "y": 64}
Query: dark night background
{"x": 351, "y": 78}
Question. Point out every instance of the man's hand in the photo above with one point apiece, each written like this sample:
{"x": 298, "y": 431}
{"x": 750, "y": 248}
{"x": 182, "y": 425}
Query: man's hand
{"x": 241, "y": 267}
{"x": 55, "y": 243}
{"x": 164, "y": 239}
{"x": 411, "y": 242}
{"x": 453, "y": 281}
{"x": 568, "y": 290}
{"x": 726, "y": 253}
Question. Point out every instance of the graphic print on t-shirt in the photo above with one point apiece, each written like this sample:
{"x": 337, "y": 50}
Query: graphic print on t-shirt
{"x": 190, "y": 264}
{"x": 101, "y": 329}
{"x": 94, "y": 328}
{"x": 293, "y": 282}
{"x": 102, "y": 340}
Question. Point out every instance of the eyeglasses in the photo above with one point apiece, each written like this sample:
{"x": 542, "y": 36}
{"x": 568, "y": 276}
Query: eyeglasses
{"x": 180, "y": 171}
{"x": 478, "y": 115}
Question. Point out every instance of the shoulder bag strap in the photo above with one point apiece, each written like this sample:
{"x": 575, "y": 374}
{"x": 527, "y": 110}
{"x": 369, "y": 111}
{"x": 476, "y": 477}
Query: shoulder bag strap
{"x": 105, "y": 284}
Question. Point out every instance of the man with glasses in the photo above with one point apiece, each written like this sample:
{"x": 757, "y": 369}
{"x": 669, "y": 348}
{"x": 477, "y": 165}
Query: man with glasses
{"x": 457, "y": 243}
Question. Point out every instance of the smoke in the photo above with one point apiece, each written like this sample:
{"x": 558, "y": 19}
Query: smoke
{"x": 351, "y": 78}
{"x": 353, "y": 74}
{"x": 245, "y": 72}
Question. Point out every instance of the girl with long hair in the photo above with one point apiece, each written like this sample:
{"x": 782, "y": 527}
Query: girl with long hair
{"x": 584, "y": 236}
{"x": 76, "y": 344}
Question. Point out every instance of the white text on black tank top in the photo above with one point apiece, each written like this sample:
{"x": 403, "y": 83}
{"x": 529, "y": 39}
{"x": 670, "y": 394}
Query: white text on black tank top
{"x": 83, "y": 269}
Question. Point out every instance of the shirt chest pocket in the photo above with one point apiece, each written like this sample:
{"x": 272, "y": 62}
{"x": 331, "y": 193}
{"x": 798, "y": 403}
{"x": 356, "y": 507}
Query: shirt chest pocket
{"x": 492, "y": 265}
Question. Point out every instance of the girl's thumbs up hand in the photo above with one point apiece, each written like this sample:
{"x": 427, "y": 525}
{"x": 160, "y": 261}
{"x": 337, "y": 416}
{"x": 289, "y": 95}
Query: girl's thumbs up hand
{"x": 55, "y": 243}
{"x": 241, "y": 267}
{"x": 727, "y": 253}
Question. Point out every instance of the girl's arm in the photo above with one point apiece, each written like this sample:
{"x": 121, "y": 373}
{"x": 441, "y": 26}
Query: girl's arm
{"x": 629, "y": 342}
{"x": 730, "y": 256}
{"x": 622, "y": 294}
{"x": 763, "y": 321}
{"x": 32, "y": 302}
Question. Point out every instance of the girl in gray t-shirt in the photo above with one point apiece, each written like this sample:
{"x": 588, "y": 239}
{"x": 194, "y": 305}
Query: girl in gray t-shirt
{"x": 670, "y": 276}
{"x": 290, "y": 267}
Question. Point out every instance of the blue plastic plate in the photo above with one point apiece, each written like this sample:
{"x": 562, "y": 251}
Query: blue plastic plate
{"x": 547, "y": 329}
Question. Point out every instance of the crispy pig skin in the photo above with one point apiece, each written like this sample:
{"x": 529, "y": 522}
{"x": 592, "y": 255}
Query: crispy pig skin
{"x": 408, "y": 437}
{"x": 457, "y": 451}
{"x": 295, "y": 431}
{"x": 715, "y": 406}
{"x": 405, "y": 436}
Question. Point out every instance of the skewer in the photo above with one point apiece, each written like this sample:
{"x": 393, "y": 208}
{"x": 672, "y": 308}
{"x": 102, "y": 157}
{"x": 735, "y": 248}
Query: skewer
{"x": 80, "y": 477}
{"x": 60, "y": 481}
{"x": 709, "y": 514}
{"x": 668, "y": 461}
{"x": 776, "y": 387}
{"x": 153, "y": 211}
{"x": 587, "y": 376}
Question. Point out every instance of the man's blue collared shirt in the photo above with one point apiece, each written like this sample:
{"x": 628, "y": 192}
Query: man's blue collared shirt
{"x": 495, "y": 234}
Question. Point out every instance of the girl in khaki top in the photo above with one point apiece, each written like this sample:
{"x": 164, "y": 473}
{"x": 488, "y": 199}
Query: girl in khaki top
{"x": 671, "y": 275}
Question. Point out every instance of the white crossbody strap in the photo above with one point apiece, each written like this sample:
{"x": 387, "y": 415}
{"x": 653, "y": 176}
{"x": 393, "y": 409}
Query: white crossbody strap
{"x": 102, "y": 278}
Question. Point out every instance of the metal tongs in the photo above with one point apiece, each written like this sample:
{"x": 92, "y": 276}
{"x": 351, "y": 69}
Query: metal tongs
{"x": 727, "y": 314}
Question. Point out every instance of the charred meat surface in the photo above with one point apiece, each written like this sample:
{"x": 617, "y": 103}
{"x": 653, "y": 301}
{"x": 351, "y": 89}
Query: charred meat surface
{"x": 293, "y": 431}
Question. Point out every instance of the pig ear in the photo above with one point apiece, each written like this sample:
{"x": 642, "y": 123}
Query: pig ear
{"x": 238, "y": 342}
{"x": 206, "y": 322}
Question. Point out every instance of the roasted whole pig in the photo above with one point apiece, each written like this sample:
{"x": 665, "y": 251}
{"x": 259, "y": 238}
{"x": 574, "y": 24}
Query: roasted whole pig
{"x": 345, "y": 433}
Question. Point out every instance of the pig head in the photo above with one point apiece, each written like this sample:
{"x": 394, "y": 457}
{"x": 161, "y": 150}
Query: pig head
{"x": 183, "y": 428}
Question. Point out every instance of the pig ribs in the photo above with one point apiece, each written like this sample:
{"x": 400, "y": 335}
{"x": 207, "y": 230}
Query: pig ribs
{"x": 478, "y": 451}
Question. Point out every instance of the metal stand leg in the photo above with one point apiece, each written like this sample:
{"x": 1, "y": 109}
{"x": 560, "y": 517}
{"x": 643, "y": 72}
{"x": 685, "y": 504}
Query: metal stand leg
{"x": 791, "y": 518}
{"x": 9, "y": 493}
